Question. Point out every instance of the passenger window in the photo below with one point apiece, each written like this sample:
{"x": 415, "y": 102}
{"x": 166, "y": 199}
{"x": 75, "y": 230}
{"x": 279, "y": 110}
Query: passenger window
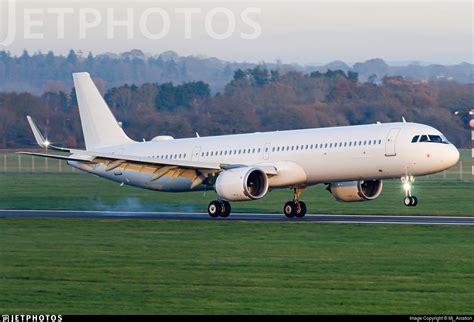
{"x": 415, "y": 139}
{"x": 253, "y": 150}
{"x": 273, "y": 149}
{"x": 424, "y": 138}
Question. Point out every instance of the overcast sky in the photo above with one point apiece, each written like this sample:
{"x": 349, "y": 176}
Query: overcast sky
{"x": 292, "y": 31}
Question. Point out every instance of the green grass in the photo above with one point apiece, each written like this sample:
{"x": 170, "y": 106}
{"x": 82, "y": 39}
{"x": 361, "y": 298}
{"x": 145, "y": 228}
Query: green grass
{"x": 103, "y": 266}
{"x": 86, "y": 192}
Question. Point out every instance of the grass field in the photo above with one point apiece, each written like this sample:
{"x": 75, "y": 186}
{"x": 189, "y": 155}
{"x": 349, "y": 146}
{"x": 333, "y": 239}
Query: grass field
{"x": 85, "y": 192}
{"x": 153, "y": 266}
{"x": 103, "y": 266}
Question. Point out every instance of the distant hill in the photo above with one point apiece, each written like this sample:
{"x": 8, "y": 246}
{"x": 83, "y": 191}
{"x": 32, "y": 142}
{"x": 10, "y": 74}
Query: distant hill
{"x": 40, "y": 72}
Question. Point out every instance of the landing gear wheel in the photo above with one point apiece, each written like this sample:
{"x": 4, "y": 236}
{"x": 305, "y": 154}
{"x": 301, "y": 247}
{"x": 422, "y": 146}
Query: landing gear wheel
{"x": 410, "y": 201}
{"x": 300, "y": 209}
{"x": 407, "y": 201}
{"x": 414, "y": 201}
{"x": 215, "y": 209}
{"x": 290, "y": 209}
{"x": 225, "y": 209}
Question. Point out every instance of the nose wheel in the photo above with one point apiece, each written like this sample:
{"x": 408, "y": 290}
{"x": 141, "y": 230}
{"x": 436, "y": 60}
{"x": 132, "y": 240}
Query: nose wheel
{"x": 409, "y": 200}
{"x": 295, "y": 208}
{"x": 219, "y": 208}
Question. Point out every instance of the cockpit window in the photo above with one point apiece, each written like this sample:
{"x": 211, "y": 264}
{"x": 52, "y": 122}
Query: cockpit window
{"x": 430, "y": 138}
{"x": 435, "y": 138}
{"x": 424, "y": 138}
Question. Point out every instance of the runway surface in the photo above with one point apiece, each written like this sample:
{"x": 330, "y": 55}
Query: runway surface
{"x": 315, "y": 218}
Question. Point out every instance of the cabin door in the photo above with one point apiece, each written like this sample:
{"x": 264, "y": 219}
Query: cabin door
{"x": 390, "y": 143}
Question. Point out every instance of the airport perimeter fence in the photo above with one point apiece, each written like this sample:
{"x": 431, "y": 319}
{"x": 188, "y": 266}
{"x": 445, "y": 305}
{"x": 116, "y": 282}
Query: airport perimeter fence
{"x": 17, "y": 163}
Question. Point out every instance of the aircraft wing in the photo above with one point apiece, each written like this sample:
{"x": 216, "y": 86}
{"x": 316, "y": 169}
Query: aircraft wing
{"x": 197, "y": 170}
{"x": 96, "y": 157}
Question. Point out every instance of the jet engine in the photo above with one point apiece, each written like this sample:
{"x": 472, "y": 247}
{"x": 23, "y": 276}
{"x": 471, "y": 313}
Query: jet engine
{"x": 242, "y": 184}
{"x": 355, "y": 190}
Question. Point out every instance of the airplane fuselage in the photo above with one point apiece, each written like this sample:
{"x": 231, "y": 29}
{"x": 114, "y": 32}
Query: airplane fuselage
{"x": 302, "y": 157}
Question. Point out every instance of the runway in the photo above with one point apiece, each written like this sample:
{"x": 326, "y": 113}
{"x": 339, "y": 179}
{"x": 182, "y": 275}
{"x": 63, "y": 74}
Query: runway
{"x": 310, "y": 218}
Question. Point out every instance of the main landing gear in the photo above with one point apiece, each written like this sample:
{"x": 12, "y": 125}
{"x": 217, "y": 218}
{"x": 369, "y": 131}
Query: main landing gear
{"x": 295, "y": 208}
{"x": 219, "y": 208}
{"x": 409, "y": 200}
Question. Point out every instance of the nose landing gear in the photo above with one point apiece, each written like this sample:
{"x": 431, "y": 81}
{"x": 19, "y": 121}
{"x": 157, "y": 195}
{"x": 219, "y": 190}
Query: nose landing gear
{"x": 295, "y": 208}
{"x": 409, "y": 200}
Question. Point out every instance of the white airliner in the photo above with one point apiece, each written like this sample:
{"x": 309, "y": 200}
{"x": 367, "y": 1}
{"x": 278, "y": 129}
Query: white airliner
{"x": 351, "y": 160}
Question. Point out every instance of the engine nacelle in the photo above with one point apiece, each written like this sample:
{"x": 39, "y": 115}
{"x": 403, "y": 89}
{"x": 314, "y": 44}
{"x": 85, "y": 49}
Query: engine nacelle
{"x": 356, "y": 190}
{"x": 242, "y": 184}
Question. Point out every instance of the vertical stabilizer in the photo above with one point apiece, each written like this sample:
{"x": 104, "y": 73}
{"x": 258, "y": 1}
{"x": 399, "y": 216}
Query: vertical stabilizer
{"x": 99, "y": 125}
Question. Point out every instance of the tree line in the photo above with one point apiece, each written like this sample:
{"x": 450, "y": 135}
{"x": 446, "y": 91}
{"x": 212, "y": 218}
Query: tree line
{"x": 256, "y": 99}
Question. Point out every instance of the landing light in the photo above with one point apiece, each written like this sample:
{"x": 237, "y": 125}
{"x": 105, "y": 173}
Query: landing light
{"x": 46, "y": 143}
{"x": 407, "y": 186}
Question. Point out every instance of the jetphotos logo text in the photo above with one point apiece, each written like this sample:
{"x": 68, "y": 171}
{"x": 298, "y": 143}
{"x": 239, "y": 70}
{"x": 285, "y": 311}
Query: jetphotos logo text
{"x": 76, "y": 20}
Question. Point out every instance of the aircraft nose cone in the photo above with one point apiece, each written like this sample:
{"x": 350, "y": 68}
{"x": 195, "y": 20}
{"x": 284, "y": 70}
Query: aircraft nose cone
{"x": 452, "y": 156}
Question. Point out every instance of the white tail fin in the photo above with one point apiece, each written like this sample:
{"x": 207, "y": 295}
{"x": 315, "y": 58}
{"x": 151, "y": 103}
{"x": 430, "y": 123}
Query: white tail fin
{"x": 99, "y": 125}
